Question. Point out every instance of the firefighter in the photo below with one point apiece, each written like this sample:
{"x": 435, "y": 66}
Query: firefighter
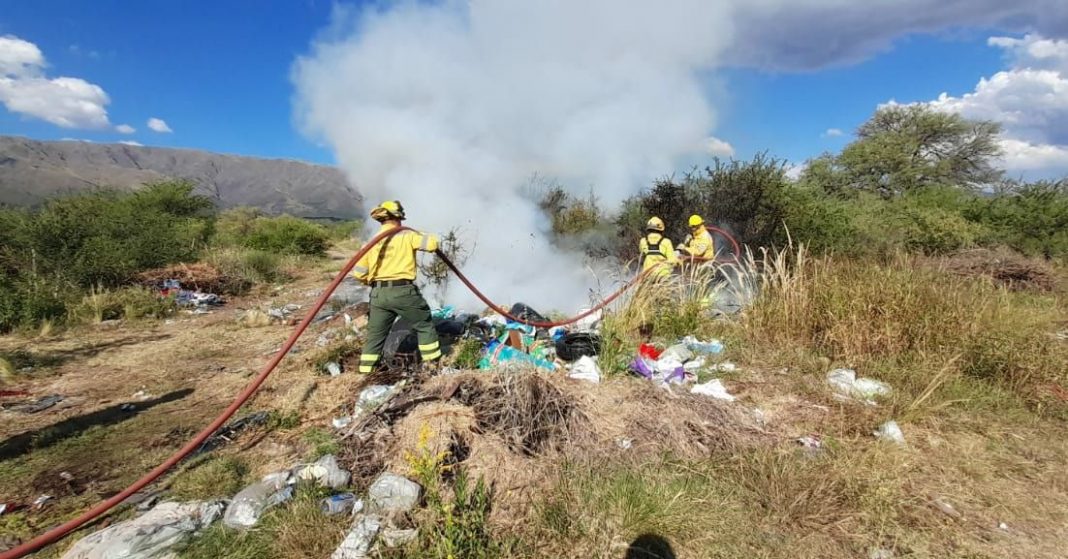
{"x": 389, "y": 268}
{"x": 656, "y": 249}
{"x": 699, "y": 243}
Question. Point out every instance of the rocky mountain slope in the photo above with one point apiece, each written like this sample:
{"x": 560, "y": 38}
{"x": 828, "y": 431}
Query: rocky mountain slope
{"x": 33, "y": 171}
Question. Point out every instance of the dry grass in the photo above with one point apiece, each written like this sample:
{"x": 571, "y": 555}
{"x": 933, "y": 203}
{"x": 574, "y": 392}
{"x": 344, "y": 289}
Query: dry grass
{"x": 1004, "y": 267}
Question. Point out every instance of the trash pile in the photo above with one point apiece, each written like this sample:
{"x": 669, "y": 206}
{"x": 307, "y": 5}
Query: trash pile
{"x": 682, "y": 363}
{"x": 194, "y": 301}
{"x": 156, "y": 532}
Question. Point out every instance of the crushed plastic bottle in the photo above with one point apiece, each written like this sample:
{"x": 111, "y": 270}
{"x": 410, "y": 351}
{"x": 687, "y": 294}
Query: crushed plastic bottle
{"x": 248, "y": 505}
{"x": 699, "y": 346}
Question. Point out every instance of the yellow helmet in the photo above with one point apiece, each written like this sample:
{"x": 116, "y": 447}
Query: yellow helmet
{"x": 655, "y": 224}
{"x": 696, "y": 220}
{"x": 390, "y": 209}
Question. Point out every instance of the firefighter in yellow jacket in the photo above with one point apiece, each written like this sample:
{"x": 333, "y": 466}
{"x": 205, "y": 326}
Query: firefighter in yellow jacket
{"x": 656, "y": 249}
{"x": 699, "y": 243}
{"x": 389, "y": 268}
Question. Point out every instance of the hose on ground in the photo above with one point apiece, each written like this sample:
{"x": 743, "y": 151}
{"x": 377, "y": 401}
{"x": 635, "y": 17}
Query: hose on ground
{"x": 62, "y": 530}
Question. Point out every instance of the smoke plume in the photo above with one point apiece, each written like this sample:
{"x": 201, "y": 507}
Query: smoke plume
{"x": 452, "y": 107}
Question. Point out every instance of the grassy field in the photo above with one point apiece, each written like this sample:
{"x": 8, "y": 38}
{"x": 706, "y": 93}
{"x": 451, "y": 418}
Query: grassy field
{"x": 979, "y": 372}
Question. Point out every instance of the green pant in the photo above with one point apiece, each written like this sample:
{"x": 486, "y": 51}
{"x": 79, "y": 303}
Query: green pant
{"x": 387, "y": 303}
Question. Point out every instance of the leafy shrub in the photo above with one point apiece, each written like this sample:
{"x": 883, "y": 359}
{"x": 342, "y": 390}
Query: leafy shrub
{"x": 247, "y": 266}
{"x": 248, "y": 228}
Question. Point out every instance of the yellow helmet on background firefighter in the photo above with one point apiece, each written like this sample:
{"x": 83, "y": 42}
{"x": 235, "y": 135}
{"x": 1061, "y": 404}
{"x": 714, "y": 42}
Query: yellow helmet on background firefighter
{"x": 696, "y": 221}
{"x": 655, "y": 224}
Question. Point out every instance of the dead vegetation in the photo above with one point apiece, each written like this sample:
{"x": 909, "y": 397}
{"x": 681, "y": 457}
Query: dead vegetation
{"x": 1004, "y": 267}
{"x": 198, "y": 276}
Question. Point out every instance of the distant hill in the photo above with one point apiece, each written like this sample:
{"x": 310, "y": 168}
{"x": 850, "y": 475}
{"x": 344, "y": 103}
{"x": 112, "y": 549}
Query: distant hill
{"x": 32, "y": 171}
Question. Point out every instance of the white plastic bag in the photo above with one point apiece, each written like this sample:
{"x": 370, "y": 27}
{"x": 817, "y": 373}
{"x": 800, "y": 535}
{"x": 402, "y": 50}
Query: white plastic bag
{"x": 586, "y": 369}
{"x": 148, "y": 536}
{"x": 890, "y": 431}
{"x": 326, "y": 472}
{"x": 713, "y": 388}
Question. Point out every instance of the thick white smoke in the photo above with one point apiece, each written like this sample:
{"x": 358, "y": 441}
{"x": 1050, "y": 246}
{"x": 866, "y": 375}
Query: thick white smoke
{"x": 452, "y": 107}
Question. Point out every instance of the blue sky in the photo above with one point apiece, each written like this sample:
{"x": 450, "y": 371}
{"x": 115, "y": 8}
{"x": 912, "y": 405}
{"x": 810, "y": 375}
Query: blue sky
{"x": 218, "y": 73}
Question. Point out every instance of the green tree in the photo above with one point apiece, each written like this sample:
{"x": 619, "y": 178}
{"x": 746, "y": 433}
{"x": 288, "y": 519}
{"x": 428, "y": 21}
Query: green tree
{"x": 907, "y": 147}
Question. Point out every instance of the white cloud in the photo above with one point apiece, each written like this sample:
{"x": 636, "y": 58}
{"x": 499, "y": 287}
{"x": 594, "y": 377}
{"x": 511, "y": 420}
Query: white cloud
{"x": 158, "y": 125}
{"x": 63, "y": 101}
{"x": 125, "y": 129}
{"x": 833, "y": 133}
{"x": 19, "y": 57}
{"x": 1029, "y": 99}
{"x": 794, "y": 170}
{"x": 717, "y": 147}
{"x": 131, "y": 143}
{"x": 1024, "y": 156}
{"x": 83, "y": 140}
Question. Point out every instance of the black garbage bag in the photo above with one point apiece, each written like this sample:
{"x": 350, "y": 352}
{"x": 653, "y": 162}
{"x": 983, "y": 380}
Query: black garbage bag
{"x": 573, "y": 346}
{"x": 402, "y": 340}
{"x": 521, "y": 310}
{"x": 450, "y": 327}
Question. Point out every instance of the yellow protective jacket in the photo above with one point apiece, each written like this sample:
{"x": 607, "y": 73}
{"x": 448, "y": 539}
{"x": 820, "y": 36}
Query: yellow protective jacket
{"x": 394, "y": 257}
{"x": 656, "y": 251}
{"x": 700, "y": 245}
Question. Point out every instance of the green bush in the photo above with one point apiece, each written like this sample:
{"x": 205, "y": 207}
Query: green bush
{"x": 249, "y": 266}
{"x": 248, "y": 228}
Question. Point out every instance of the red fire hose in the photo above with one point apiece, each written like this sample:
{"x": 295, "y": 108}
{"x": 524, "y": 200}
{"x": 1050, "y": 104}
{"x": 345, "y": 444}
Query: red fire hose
{"x": 104, "y": 506}
{"x": 501, "y": 311}
{"x": 62, "y": 530}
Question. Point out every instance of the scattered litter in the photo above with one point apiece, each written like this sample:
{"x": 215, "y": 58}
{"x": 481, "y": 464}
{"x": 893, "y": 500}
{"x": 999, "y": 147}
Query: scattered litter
{"x": 726, "y": 367}
{"x": 357, "y": 543}
{"x": 759, "y": 416}
{"x": 141, "y": 395}
{"x": 395, "y": 537}
{"x": 699, "y": 346}
{"x": 642, "y": 367}
{"x": 443, "y": 313}
{"x": 127, "y": 407}
{"x": 524, "y": 312}
{"x": 40, "y": 405}
{"x": 505, "y": 356}
{"x": 342, "y": 503}
{"x": 341, "y": 422}
{"x": 228, "y": 432}
{"x": 713, "y": 388}
{"x": 326, "y": 472}
{"x": 890, "y": 431}
{"x": 585, "y": 369}
{"x": 576, "y": 345}
{"x": 3, "y": 508}
{"x": 649, "y": 351}
{"x": 248, "y": 505}
{"x": 946, "y": 508}
{"x": 374, "y": 396}
{"x": 588, "y": 323}
{"x": 625, "y": 444}
{"x": 334, "y": 368}
{"x": 150, "y": 535}
{"x": 392, "y": 494}
{"x": 880, "y": 553}
{"x": 811, "y": 443}
{"x": 40, "y": 502}
{"x": 1002, "y": 526}
{"x": 846, "y": 383}
{"x": 694, "y": 366}
{"x": 676, "y": 353}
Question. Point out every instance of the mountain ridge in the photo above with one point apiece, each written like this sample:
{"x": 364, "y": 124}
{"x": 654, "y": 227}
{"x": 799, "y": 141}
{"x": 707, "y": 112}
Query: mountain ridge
{"x": 32, "y": 171}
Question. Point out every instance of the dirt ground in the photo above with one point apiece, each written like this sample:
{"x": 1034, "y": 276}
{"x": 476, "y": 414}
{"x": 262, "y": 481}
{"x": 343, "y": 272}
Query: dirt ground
{"x": 135, "y": 392}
